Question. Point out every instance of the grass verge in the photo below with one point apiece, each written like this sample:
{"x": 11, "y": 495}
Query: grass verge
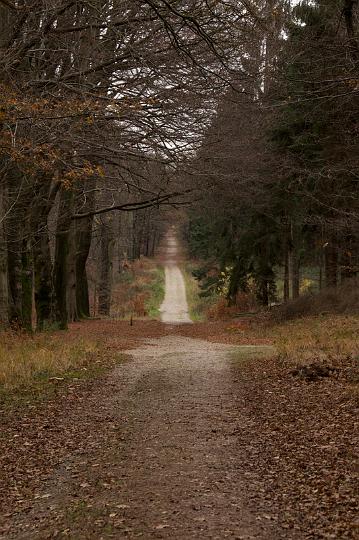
{"x": 156, "y": 292}
{"x": 317, "y": 337}
{"x": 34, "y": 367}
{"x": 326, "y": 340}
{"x": 198, "y": 305}
{"x": 248, "y": 353}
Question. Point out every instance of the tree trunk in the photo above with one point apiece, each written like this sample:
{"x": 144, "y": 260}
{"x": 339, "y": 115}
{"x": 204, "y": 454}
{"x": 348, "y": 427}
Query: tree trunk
{"x": 83, "y": 243}
{"x": 43, "y": 267}
{"x": 27, "y": 282}
{"x": 4, "y": 285}
{"x": 286, "y": 292}
{"x": 263, "y": 292}
{"x": 131, "y": 236}
{"x": 126, "y": 240}
{"x": 347, "y": 264}
{"x": 105, "y": 285}
{"x": 62, "y": 248}
{"x": 294, "y": 273}
{"x": 71, "y": 301}
{"x": 44, "y": 287}
{"x": 153, "y": 242}
{"x": 331, "y": 265}
{"x": 14, "y": 245}
{"x": 293, "y": 260}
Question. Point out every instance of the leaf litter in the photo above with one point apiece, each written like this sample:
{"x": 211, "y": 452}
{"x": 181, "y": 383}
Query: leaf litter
{"x": 278, "y": 452}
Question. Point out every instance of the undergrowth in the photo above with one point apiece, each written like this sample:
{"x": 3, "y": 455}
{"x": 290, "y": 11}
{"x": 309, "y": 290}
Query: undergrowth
{"x": 327, "y": 338}
{"x": 139, "y": 290}
{"x": 156, "y": 292}
{"x": 33, "y": 367}
{"x": 212, "y": 304}
{"x": 198, "y": 304}
{"x": 336, "y": 334}
{"x": 341, "y": 300}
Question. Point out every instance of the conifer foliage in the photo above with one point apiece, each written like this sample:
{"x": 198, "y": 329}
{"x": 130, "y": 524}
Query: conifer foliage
{"x": 280, "y": 161}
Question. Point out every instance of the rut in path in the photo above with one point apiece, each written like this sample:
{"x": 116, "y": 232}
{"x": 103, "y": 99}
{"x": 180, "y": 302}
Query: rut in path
{"x": 160, "y": 455}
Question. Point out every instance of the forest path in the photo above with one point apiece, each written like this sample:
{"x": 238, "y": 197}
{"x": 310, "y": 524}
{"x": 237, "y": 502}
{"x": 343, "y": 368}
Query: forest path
{"x": 174, "y": 309}
{"x": 154, "y": 451}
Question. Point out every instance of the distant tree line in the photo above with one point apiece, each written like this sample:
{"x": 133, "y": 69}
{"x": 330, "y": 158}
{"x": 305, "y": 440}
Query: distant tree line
{"x": 280, "y": 161}
{"x": 99, "y": 103}
{"x": 112, "y": 111}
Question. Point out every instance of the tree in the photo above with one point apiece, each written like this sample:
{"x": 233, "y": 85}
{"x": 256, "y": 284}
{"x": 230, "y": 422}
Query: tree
{"x": 284, "y": 155}
{"x": 88, "y": 93}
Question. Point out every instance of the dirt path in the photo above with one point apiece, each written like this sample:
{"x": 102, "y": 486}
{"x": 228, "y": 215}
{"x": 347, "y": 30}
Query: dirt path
{"x": 187, "y": 439}
{"x": 153, "y": 451}
{"x": 174, "y": 309}
{"x": 159, "y": 455}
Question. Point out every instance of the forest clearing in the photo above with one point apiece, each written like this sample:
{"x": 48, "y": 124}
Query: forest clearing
{"x": 179, "y": 269}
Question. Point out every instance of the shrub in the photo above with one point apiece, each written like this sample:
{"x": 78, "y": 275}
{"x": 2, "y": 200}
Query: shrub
{"x": 341, "y": 300}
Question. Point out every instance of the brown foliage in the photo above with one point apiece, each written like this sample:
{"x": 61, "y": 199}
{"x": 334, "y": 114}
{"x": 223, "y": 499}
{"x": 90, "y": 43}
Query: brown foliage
{"x": 344, "y": 299}
{"x": 244, "y": 303}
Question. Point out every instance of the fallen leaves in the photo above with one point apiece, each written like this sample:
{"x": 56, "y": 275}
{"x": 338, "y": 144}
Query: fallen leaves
{"x": 296, "y": 446}
{"x": 304, "y": 448}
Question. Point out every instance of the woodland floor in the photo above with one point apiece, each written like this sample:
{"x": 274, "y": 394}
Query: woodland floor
{"x": 201, "y": 431}
{"x": 204, "y": 442}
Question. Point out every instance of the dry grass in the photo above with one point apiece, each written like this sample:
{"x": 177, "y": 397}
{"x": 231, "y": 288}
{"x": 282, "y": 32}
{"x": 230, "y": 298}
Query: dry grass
{"x": 327, "y": 340}
{"x": 29, "y": 363}
{"x": 220, "y": 310}
{"x": 139, "y": 290}
{"x": 335, "y": 335}
{"x": 341, "y": 300}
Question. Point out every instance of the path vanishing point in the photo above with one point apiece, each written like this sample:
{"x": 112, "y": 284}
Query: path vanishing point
{"x": 160, "y": 456}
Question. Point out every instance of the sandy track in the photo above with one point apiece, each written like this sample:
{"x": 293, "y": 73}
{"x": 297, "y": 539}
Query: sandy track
{"x": 159, "y": 455}
{"x": 153, "y": 451}
{"x": 174, "y": 309}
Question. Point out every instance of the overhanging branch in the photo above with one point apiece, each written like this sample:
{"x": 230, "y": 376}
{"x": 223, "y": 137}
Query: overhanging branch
{"x": 8, "y": 4}
{"x": 131, "y": 207}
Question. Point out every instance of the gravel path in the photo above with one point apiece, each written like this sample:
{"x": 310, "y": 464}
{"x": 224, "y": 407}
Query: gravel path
{"x": 188, "y": 439}
{"x": 174, "y": 309}
{"x": 158, "y": 457}
{"x": 153, "y": 451}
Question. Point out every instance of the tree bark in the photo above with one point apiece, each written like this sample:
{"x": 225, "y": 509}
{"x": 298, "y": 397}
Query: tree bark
{"x": 27, "y": 289}
{"x": 293, "y": 263}
{"x": 4, "y": 284}
{"x": 347, "y": 258}
{"x": 105, "y": 285}
{"x": 71, "y": 300}
{"x": 44, "y": 289}
{"x": 286, "y": 248}
{"x": 286, "y": 275}
{"x": 331, "y": 265}
{"x": 62, "y": 248}
{"x": 44, "y": 285}
{"x": 83, "y": 243}
{"x": 18, "y": 198}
